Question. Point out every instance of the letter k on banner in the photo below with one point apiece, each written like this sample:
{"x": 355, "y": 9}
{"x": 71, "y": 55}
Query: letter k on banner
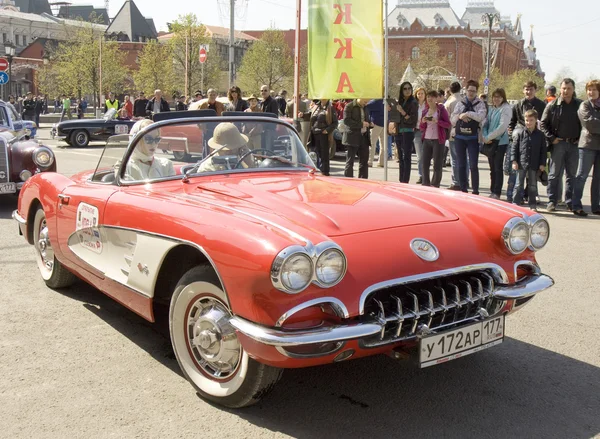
{"x": 345, "y": 49}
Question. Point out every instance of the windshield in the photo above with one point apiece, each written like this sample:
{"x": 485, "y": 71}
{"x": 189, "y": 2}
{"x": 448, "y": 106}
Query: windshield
{"x": 228, "y": 145}
{"x": 110, "y": 114}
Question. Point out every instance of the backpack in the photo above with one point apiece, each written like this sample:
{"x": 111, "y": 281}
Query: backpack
{"x": 471, "y": 128}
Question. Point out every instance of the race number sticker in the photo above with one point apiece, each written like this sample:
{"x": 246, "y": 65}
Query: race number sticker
{"x": 121, "y": 129}
{"x": 87, "y": 227}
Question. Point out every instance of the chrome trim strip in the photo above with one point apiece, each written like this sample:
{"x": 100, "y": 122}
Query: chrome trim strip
{"x": 18, "y": 218}
{"x": 536, "y": 268}
{"x": 499, "y": 271}
{"x": 281, "y": 338}
{"x": 274, "y": 337}
{"x": 528, "y": 287}
{"x": 337, "y": 305}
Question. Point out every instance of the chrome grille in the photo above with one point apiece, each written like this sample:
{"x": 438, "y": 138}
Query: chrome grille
{"x": 4, "y": 171}
{"x": 418, "y": 308}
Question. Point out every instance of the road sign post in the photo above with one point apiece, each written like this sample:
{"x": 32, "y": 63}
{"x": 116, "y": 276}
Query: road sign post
{"x": 3, "y": 64}
{"x": 4, "y": 78}
{"x": 203, "y": 53}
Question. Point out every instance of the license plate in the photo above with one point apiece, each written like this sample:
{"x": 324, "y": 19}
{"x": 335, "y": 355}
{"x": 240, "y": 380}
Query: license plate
{"x": 441, "y": 348}
{"x": 8, "y": 188}
{"x": 121, "y": 129}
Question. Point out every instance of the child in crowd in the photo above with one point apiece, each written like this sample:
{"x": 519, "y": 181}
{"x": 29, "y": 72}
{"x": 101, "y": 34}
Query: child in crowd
{"x": 528, "y": 156}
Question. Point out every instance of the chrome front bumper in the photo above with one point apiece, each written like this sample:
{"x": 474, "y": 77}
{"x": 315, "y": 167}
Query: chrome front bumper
{"x": 523, "y": 289}
{"x": 18, "y": 218}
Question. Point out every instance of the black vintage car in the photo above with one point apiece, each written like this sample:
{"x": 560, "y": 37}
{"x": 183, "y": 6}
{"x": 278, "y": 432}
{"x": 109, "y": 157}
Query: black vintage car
{"x": 81, "y": 132}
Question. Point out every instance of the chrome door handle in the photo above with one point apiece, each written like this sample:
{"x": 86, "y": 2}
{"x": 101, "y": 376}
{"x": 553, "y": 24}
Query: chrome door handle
{"x": 63, "y": 199}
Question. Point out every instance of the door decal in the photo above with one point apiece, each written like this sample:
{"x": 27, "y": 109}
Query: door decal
{"x": 87, "y": 228}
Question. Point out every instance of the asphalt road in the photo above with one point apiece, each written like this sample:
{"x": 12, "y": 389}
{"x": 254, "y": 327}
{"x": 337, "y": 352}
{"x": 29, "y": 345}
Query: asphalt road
{"x": 75, "y": 364}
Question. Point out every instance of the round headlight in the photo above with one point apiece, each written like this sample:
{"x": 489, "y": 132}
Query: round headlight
{"x": 43, "y": 157}
{"x": 296, "y": 272}
{"x": 516, "y": 235}
{"x": 25, "y": 175}
{"x": 330, "y": 267}
{"x": 540, "y": 232}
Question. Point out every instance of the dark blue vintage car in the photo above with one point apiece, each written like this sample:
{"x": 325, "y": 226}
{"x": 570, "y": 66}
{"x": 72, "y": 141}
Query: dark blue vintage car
{"x": 80, "y": 132}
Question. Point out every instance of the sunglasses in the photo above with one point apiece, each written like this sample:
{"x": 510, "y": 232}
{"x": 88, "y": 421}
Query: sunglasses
{"x": 151, "y": 140}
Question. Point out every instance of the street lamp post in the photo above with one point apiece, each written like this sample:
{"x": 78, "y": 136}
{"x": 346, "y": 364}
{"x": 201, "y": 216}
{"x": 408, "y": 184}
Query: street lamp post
{"x": 9, "y": 50}
{"x": 489, "y": 20}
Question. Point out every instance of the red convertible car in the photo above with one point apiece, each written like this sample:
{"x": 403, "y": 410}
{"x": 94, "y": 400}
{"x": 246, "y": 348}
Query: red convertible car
{"x": 259, "y": 263}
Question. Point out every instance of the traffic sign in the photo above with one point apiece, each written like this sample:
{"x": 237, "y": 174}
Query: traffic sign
{"x": 3, "y": 64}
{"x": 3, "y": 78}
{"x": 202, "y": 56}
{"x": 486, "y": 82}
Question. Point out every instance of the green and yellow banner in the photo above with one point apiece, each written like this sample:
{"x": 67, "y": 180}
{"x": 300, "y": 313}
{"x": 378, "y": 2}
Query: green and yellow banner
{"x": 345, "y": 49}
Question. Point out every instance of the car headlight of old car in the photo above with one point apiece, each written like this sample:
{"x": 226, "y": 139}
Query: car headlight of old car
{"x": 540, "y": 232}
{"x": 516, "y": 235}
{"x": 330, "y": 267}
{"x": 296, "y": 267}
{"x": 43, "y": 157}
{"x": 25, "y": 175}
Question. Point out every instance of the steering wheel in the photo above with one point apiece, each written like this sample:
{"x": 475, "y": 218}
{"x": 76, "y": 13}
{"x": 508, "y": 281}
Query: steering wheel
{"x": 254, "y": 151}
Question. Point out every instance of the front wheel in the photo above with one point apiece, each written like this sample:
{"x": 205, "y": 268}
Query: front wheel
{"x": 207, "y": 347}
{"x": 53, "y": 272}
{"x": 80, "y": 138}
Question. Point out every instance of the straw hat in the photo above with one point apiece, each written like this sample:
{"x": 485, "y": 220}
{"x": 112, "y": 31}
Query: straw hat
{"x": 253, "y": 96}
{"x": 227, "y": 137}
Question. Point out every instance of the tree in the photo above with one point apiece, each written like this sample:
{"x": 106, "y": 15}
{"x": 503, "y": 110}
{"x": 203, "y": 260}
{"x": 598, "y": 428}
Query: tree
{"x": 189, "y": 33}
{"x": 429, "y": 57}
{"x": 269, "y": 61}
{"x": 74, "y": 67}
{"x": 515, "y": 82}
{"x": 156, "y": 69}
{"x": 396, "y": 68}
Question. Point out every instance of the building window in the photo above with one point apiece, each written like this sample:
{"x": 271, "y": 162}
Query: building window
{"x": 438, "y": 19}
{"x": 416, "y": 52}
{"x": 450, "y": 55}
{"x": 24, "y": 40}
{"x": 16, "y": 40}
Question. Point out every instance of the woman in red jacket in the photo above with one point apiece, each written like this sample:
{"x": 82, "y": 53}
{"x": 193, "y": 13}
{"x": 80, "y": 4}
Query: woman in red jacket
{"x": 434, "y": 123}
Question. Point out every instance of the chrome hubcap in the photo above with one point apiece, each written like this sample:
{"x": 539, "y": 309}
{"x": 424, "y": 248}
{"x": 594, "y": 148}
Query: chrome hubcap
{"x": 212, "y": 339}
{"x": 81, "y": 138}
{"x": 45, "y": 248}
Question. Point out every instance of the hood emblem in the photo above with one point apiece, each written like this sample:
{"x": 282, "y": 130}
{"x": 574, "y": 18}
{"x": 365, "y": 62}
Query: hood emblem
{"x": 425, "y": 249}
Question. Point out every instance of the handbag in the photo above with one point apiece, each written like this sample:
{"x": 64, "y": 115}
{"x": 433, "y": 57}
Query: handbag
{"x": 392, "y": 128}
{"x": 488, "y": 149}
{"x": 471, "y": 128}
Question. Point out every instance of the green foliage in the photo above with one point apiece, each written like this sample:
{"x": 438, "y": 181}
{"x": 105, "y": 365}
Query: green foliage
{"x": 432, "y": 62}
{"x": 156, "y": 69}
{"x": 189, "y": 33}
{"x": 513, "y": 84}
{"x": 269, "y": 61}
{"x": 74, "y": 67}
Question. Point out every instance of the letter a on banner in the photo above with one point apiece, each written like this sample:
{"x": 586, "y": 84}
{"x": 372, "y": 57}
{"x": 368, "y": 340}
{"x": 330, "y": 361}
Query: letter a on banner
{"x": 345, "y": 49}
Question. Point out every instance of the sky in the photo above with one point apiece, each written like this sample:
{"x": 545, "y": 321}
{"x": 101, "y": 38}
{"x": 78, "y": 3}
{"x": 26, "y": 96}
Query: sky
{"x": 566, "y": 34}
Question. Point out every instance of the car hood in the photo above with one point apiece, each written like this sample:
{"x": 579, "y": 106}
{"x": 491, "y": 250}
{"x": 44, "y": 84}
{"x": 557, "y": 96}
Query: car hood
{"x": 330, "y": 206}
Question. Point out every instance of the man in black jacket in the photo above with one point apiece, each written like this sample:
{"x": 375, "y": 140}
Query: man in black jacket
{"x": 562, "y": 128}
{"x": 139, "y": 106}
{"x": 529, "y": 102}
{"x": 29, "y": 107}
{"x": 157, "y": 104}
{"x": 356, "y": 119}
{"x": 268, "y": 104}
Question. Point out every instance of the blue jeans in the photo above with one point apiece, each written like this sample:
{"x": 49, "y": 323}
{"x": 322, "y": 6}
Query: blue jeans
{"x": 587, "y": 159}
{"x": 419, "y": 150}
{"x": 467, "y": 155}
{"x": 531, "y": 175}
{"x": 565, "y": 157}
{"x": 404, "y": 145}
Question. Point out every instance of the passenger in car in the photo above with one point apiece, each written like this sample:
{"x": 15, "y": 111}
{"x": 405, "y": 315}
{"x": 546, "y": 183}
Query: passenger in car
{"x": 228, "y": 141}
{"x": 143, "y": 165}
